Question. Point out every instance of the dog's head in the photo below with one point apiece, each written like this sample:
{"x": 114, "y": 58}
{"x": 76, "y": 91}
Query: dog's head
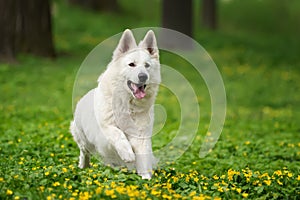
{"x": 138, "y": 64}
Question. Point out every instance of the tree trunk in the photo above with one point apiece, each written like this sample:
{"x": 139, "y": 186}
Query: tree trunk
{"x": 209, "y": 14}
{"x": 7, "y": 30}
{"x": 98, "y": 5}
{"x": 177, "y": 15}
{"x": 34, "y": 28}
{"x": 25, "y": 26}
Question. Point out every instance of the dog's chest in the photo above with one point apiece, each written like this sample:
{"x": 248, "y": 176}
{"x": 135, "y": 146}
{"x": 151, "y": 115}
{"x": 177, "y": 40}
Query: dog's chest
{"x": 140, "y": 115}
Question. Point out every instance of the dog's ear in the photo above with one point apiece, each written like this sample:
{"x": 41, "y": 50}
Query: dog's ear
{"x": 126, "y": 43}
{"x": 149, "y": 43}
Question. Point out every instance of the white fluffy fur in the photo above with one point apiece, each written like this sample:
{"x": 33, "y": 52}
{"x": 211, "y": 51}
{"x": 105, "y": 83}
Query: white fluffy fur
{"x": 109, "y": 120}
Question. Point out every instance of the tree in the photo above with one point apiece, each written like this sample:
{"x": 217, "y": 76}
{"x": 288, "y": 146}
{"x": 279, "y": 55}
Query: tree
{"x": 177, "y": 15}
{"x": 7, "y": 30}
{"x": 99, "y": 5}
{"x": 209, "y": 14}
{"x": 25, "y": 26}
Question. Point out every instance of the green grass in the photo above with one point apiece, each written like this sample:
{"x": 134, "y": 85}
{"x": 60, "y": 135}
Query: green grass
{"x": 256, "y": 157}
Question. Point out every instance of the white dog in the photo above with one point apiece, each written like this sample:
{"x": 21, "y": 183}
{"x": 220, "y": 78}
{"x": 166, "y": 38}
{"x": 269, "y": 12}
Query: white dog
{"x": 115, "y": 119}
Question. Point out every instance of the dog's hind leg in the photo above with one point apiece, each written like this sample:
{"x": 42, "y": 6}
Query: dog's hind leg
{"x": 84, "y": 159}
{"x": 79, "y": 137}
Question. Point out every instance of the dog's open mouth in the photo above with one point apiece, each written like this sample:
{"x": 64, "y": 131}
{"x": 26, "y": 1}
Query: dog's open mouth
{"x": 138, "y": 90}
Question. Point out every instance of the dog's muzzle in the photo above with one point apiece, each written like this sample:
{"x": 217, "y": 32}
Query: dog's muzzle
{"x": 138, "y": 89}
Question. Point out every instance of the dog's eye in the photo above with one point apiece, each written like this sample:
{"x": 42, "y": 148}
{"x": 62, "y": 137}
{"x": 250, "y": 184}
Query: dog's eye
{"x": 131, "y": 64}
{"x": 147, "y": 65}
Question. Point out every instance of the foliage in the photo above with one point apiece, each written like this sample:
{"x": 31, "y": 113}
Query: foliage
{"x": 257, "y": 156}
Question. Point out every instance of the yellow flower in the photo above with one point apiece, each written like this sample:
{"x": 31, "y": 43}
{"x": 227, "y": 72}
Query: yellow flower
{"x": 143, "y": 195}
{"x": 215, "y": 177}
{"x": 216, "y": 184}
{"x": 267, "y": 182}
{"x": 279, "y": 183}
{"x": 187, "y": 179}
{"x": 168, "y": 186}
{"x": 298, "y": 178}
{"x": 113, "y": 184}
{"x": 84, "y": 196}
{"x": 278, "y": 172}
{"x": 121, "y": 190}
{"x": 220, "y": 189}
{"x": 291, "y": 145}
{"x": 192, "y": 193}
{"x": 64, "y": 170}
{"x": 177, "y": 196}
{"x": 247, "y": 142}
{"x": 165, "y": 196}
{"x": 89, "y": 182}
{"x": 42, "y": 188}
{"x": 17, "y": 197}
{"x": 264, "y": 175}
{"x": 55, "y": 184}
{"x": 47, "y": 173}
{"x": 290, "y": 174}
{"x": 231, "y": 173}
{"x": 155, "y": 193}
{"x": 239, "y": 190}
{"x": 256, "y": 182}
{"x": 110, "y": 193}
{"x": 74, "y": 194}
{"x": 71, "y": 167}
{"x": 245, "y": 195}
{"x": 97, "y": 182}
{"x": 98, "y": 190}
{"x": 1, "y": 179}
{"x": 175, "y": 179}
{"x": 9, "y": 192}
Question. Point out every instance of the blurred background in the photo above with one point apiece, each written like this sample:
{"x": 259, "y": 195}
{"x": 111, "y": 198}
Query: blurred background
{"x": 49, "y": 28}
{"x": 254, "y": 43}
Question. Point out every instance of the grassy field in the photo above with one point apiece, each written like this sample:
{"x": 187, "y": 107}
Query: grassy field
{"x": 256, "y": 157}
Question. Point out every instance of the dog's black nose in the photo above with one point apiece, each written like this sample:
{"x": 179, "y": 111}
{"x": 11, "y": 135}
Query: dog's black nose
{"x": 142, "y": 77}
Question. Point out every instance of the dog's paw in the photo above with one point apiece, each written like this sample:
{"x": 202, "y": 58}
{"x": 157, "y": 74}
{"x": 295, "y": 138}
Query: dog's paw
{"x": 125, "y": 151}
{"x": 146, "y": 175}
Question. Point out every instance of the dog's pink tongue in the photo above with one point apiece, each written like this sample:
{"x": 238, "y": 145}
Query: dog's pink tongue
{"x": 138, "y": 92}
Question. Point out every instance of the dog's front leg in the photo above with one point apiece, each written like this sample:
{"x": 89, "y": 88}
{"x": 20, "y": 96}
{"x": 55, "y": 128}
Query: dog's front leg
{"x": 117, "y": 138}
{"x": 142, "y": 148}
